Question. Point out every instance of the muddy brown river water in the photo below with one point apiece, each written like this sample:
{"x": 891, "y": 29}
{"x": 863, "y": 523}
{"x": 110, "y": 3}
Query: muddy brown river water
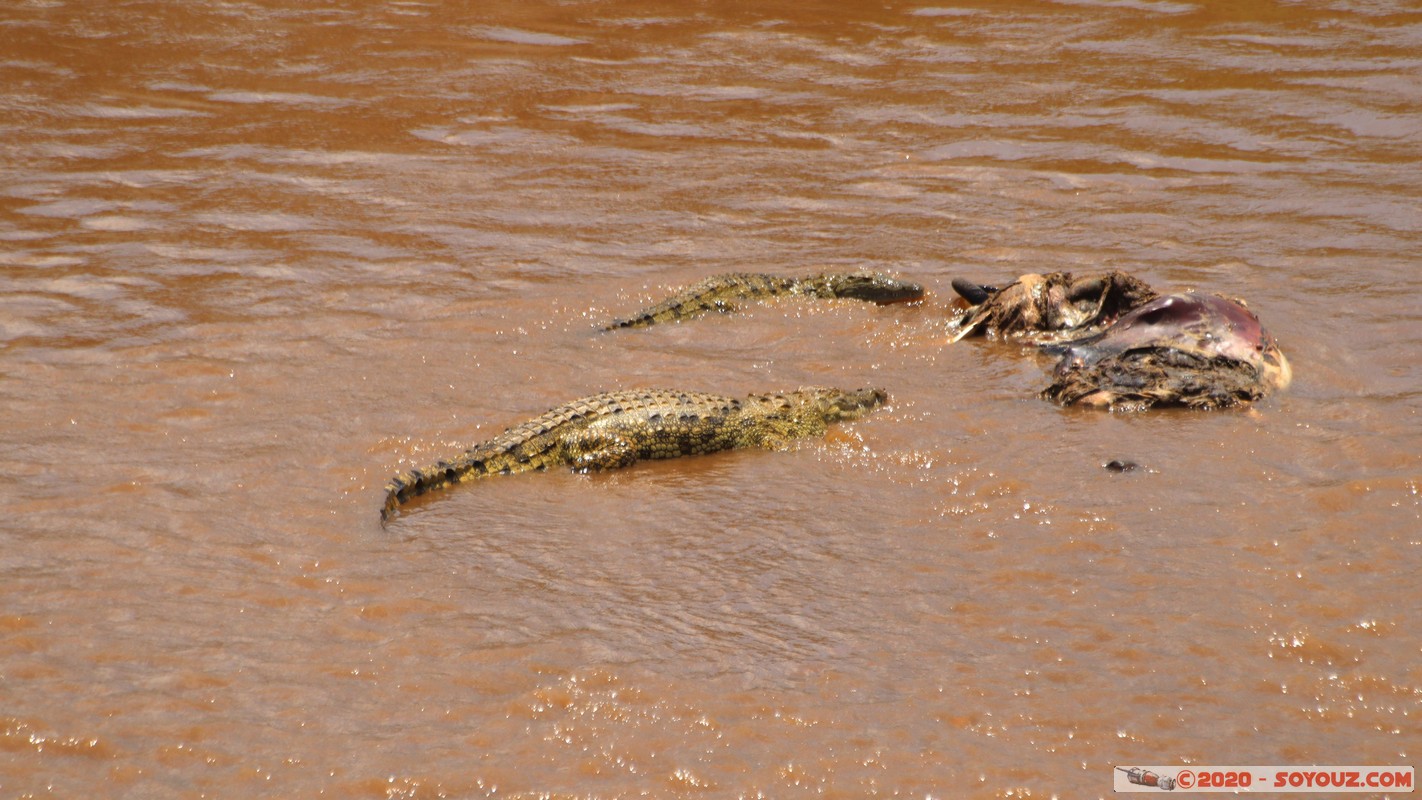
{"x": 256, "y": 257}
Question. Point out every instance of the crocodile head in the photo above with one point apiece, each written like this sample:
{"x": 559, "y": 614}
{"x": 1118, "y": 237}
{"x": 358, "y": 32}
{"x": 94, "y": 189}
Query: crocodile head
{"x": 1190, "y": 349}
{"x": 827, "y": 404}
{"x": 838, "y": 404}
{"x": 871, "y": 286}
{"x": 1052, "y": 307}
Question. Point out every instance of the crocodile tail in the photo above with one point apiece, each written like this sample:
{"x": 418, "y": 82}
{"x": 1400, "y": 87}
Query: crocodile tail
{"x": 416, "y": 482}
{"x": 400, "y": 488}
{"x": 716, "y": 293}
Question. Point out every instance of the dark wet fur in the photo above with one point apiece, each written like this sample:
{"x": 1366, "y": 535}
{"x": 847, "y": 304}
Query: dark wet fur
{"x": 1120, "y": 345}
{"x": 1055, "y": 306}
{"x": 1140, "y": 379}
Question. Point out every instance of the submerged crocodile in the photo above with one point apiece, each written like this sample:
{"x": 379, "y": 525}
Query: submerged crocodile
{"x": 617, "y": 429}
{"x": 724, "y": 293}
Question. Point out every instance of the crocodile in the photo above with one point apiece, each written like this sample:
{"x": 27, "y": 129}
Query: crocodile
{"x": 617, "y": 429}
{"x": 724, "y": 293}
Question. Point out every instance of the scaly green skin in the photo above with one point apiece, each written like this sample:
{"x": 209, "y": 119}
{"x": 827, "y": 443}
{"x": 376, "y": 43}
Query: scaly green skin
{"x": 724, "y": 293}
{"x": 616, "y": 429}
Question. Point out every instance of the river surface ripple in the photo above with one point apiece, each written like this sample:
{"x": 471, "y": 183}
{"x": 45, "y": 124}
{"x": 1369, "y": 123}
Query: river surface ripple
{"x": 256, "y": 257}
